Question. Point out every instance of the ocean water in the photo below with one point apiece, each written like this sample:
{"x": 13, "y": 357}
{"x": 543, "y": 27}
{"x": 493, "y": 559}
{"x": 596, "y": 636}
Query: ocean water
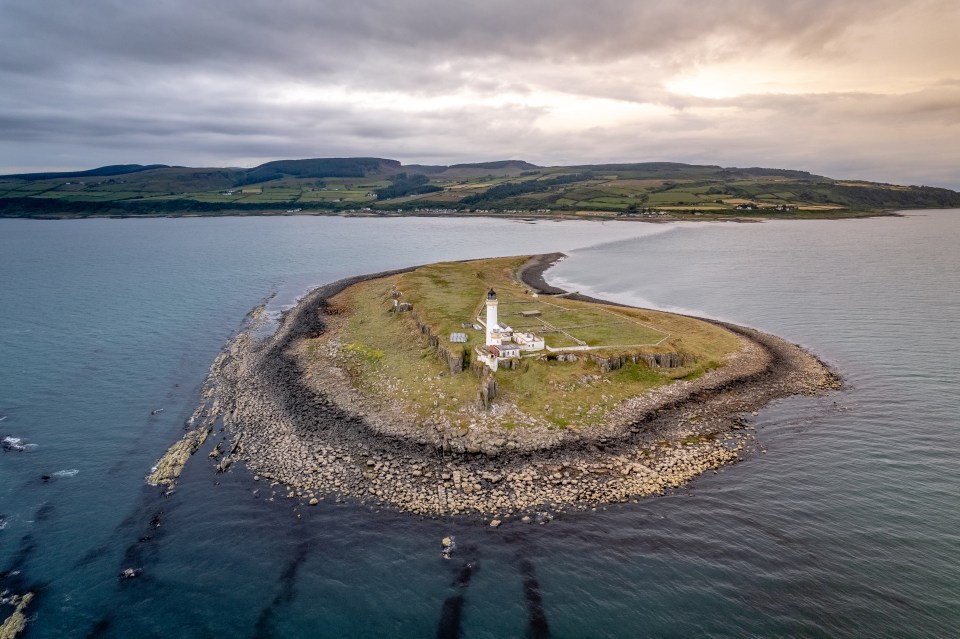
{"x": 847, "y": 524}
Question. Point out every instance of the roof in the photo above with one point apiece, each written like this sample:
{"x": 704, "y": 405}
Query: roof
{"x": 491, "y": 294}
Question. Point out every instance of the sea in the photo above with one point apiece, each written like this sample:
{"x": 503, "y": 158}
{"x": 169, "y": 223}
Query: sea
{"x": 844, "y": 523}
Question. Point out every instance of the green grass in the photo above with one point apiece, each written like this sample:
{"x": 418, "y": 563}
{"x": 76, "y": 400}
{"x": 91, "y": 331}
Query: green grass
{"x": 333, "y": 196}
{"x": 591, "y": 324}
{"x": 612, "y": 190}
{"x": 387, "y": 357}
{"x": 365, "y": 352}
{"x": 448, "y": 295}
{"x": 673, "y": 197}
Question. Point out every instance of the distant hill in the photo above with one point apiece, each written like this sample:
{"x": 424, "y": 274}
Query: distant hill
{"x": 500, "y": 168}
{"x": 647, "y": 167}
{"x": 114, "y": 169}
{"x": 664, "y": 190}
{"x": 500, "y": 164}
{"x": 320, "y": 168}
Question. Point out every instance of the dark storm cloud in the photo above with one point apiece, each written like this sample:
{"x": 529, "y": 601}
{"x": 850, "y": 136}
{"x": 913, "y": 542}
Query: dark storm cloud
{"x": 225, "y": 83}
{"x": 331, "y": 38}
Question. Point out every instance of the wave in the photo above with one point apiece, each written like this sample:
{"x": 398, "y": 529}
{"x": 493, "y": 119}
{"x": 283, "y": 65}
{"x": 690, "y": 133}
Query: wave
{"x": 66, "y": 473}
{"x": 651, "y": 230}
{"x": 634, "y": 300}
{"x": 13, "y": 443}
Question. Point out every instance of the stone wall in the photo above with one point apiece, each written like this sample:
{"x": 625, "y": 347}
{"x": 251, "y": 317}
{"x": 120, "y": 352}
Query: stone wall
{"x": 455, "y": 357}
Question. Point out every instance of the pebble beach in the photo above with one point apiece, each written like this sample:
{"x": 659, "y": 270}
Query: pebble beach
{"x": 302, "y": 430}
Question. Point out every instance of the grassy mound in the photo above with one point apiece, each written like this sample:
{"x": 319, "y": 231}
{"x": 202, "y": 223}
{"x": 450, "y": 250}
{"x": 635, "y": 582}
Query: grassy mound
{"x": 391, "y": 361}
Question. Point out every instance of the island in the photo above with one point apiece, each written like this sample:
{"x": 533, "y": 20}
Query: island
{"x": 476, "y": 387}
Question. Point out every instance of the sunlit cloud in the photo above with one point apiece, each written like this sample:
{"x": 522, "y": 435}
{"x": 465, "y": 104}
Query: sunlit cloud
{"x": 843, "y": 88}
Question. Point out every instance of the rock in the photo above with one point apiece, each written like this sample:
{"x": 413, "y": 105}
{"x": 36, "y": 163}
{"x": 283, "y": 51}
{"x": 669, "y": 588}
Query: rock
{"x": 169, "y": 466}
{"x": 16, "y": 622}
{"x": 130, "y": 573}
{"x": 448, "y": 546}
{"x": 495, "y": 523}
{"x": 313, "y": 501}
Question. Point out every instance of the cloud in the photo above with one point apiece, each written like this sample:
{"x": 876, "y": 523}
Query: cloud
{"x": 861, "y": 88}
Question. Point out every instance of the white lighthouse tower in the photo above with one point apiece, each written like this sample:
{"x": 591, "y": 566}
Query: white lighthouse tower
{"x": 493, "y": 328}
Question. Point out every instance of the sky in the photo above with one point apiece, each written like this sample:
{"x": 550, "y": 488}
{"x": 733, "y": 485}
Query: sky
{"x": 850, "y": 89}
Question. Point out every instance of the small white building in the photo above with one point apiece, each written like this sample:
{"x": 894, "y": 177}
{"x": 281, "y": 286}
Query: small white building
{"x": 484, "y": 355}
{"x": 505, "y": 351}
{"x": 529, "y": 341}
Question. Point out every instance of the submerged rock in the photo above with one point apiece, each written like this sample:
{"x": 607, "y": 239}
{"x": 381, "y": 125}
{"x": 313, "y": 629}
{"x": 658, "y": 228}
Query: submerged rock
{"x": 170, "y": 466}
{"x": 17, "y": 621}
{"x": 129, "y": 573}
{"x": 449, "y": 545}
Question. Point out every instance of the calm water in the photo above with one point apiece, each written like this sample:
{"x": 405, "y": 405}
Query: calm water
{"x": 846, "y": 526}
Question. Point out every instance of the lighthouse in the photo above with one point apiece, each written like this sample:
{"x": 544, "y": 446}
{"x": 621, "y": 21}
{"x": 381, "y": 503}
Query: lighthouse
{"x": 493, "y": 328}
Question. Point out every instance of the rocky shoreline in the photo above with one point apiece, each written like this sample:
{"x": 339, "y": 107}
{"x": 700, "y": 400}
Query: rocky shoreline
{"x": 298, "y": 425}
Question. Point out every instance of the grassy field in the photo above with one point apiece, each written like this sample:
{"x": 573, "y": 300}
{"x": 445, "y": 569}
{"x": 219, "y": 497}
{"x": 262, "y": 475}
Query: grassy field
{"x": 448, "y": 295}
{"x": 607, "y": 190}
{"x": 387, "y": 358}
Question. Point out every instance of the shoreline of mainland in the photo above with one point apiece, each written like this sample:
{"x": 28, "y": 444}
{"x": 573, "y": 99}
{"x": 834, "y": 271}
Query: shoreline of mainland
{"x": 528, "y": 216}
{"x": 307, "y": 434}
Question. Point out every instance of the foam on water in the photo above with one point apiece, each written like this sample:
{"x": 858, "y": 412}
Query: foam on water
{"x": 13, "y": 443}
